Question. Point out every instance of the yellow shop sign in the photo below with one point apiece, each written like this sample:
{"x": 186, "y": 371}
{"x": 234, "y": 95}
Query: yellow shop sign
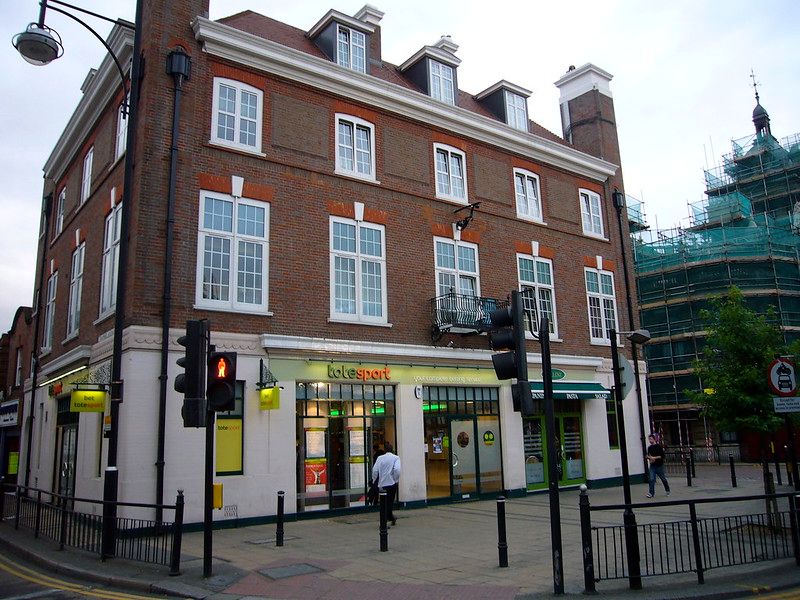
{"x": 87, "y": 401}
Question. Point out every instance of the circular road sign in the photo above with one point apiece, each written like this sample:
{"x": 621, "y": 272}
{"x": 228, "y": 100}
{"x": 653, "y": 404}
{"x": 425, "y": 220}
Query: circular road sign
{"x": 782, "y": 378}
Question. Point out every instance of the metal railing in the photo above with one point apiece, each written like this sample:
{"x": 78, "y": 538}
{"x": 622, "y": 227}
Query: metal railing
{"x": 459, "y": 311}
{"x": 696, "y": 544}
{"x": 53, "y": 516}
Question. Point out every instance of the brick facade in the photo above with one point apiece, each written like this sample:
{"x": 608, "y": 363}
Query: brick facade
{"x": 294, "y": 173}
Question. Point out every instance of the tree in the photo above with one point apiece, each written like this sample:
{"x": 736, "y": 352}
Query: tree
{"x": 740, "y": 345}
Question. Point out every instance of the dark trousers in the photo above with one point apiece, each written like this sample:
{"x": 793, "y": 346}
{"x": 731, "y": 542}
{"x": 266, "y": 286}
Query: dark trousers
{"x": 654, "y": 472}
{"x": 391, "y": 494}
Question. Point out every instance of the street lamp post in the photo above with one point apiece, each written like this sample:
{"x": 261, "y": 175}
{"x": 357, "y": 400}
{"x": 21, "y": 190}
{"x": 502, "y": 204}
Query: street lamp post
{"x": 619, "y": 203}
{"x": 629, "y": 519}
{"x": 40, "y": 45}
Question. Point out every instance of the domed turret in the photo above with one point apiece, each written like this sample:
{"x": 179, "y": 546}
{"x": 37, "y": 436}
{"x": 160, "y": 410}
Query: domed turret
{"x": 761, "y": 119}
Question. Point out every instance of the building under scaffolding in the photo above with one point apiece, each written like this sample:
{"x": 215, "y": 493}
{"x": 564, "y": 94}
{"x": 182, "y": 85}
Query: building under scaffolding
{"x": 746, "y": 233}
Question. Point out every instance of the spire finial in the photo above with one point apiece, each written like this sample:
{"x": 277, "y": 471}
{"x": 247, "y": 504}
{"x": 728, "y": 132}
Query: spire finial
{"x": 755, "y": 84}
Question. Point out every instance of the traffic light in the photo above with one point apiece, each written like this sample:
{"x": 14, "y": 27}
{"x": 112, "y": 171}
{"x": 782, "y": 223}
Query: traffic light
{"x": 190, "y": 382}
{"x": 221, "y": 389}
{"x": 510, "y": 335}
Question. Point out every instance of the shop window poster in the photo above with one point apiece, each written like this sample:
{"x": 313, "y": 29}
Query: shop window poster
{"x": 315, "y": 443}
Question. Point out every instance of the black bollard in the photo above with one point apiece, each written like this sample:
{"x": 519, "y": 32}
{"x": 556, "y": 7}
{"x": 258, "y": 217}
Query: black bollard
{"x": 383, "y": 529}
{"x": 691, "y": 458}
{"x": 733, "y": 470}
{"x": 502, "y": 544}
{"x": 586, "y": 542}
{"x": 279, "y": 522}
{"x": 688, "y": 459}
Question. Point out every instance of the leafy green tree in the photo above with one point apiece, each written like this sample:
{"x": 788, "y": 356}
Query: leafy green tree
{"x": 740, "y": 345}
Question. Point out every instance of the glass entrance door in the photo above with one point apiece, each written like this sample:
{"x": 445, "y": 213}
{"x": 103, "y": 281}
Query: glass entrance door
{"x": 65, "y": 461}
{"x": 569, "y": 457}
{"x": 464, "y": 475}
{"x": 572, "y": 470}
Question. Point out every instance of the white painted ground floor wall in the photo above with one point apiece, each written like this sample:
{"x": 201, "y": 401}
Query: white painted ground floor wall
{"x": 269, "y": 436}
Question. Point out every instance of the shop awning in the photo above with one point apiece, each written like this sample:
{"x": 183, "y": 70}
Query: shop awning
{"x": 572, "y": 390}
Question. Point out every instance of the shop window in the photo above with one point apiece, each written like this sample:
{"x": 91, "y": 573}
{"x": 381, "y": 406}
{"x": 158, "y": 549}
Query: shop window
{"x": 230, "y": 437}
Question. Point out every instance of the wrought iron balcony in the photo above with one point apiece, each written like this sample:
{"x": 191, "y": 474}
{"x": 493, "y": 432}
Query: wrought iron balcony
{"x": 459, "y": 313}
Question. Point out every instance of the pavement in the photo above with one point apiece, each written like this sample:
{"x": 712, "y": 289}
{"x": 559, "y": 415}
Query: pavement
{"x": 442, "y": 552}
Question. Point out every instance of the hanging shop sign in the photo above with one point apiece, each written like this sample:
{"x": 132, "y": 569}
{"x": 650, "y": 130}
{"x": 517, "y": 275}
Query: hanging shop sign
{"x": 269, "y": 398}
{"x": 87, "y": 401}
{"x": 9, "y": 413}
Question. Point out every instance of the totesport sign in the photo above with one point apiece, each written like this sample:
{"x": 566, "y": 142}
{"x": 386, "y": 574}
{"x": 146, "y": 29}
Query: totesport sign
{"x": 359, "y": 373}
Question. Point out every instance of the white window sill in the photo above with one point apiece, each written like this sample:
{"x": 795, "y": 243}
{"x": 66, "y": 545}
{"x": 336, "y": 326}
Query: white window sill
{"x": 530, "y": 219}
{"x": 231, "y": 309}
{"x": 104, "y": 316}
{"x": 595, "y": 236}
{"x": 117, "y": 160}
{"x": 353, "y": 322}
{"x": 239, "y": 148}
{"x": 69, "y": 338}
{"x": 357, "y": 176}
{"x": 530, "y": 336}
{"x": 44, "y": 352}
{"x": 453, "y": 199}
{"x": 600, "y": 342}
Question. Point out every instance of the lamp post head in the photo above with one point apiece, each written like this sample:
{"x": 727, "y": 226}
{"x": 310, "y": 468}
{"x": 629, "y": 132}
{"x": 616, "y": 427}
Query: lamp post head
{"x": 38, "y": 44}
{"x": 640, "y": 336}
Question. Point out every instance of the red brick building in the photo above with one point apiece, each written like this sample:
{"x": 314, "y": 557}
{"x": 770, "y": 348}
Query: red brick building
{"x": 318, "y": 219}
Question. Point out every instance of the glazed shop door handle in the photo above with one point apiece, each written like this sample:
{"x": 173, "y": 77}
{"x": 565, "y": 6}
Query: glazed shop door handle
{"x": 455, "y": 459}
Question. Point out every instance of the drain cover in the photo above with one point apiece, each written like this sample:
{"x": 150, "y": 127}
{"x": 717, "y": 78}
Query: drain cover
{"x": 290, "y": 571}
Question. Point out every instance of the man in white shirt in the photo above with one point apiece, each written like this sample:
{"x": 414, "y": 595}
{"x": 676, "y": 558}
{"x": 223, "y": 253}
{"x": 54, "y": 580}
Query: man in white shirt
{"x": 386, "y": 473}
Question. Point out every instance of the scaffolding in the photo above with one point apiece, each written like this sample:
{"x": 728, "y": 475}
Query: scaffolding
{"x": 746, "y": 233}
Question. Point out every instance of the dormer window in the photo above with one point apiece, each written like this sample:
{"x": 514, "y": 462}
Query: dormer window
{"x": 346, "y": 40}
{"x": 516, "y": 111}
{"x": 351, "y": 49}
{"x": 441, "y": 84}
{"x": 508, "y": 102}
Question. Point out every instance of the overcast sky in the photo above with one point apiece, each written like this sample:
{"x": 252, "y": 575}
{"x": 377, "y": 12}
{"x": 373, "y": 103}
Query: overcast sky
{"x": 681, "y": 84}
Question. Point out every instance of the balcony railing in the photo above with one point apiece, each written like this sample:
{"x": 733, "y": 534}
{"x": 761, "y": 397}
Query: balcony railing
{"x": 459, "y": 313}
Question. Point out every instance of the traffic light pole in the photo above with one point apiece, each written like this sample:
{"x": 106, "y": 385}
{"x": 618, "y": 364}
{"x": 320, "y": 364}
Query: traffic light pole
{"x": 208, "y": 495}
{"x": 552, "y": 456}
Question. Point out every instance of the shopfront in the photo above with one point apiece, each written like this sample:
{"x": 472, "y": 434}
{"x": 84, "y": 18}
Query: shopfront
{"x": 462, "y": 441}
{"x": 340, "y": 427}
{"x": 569, "y": 432}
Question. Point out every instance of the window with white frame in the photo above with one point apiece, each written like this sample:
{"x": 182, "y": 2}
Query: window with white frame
{"x": 18, "y": 369}
{"x": 236, "y": 115}
{"x": 108, "y": 282}
{"x": 442, "y": 82}
{"x": 591, "y": 216}
{"x": 58, "y": 224}
{"x": 516, "y": 111}
{"x": 456, "y": 267}
{"x": 75, "y": 291}
{"x": 526, "y": 189}
{"x": 536, "y": 283}
{"x": 355, "y": 147}
{"x": 358, "y": 271}
{"x": 451, "y": 173}
{"x": 602, "y": 304}
{"x": 232, "y": 253}
{"x": 351, "y": 49}
{"x": 86, "y": 179}
{"x": 122, "y": 127}
{"x": 49, "y": 312}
